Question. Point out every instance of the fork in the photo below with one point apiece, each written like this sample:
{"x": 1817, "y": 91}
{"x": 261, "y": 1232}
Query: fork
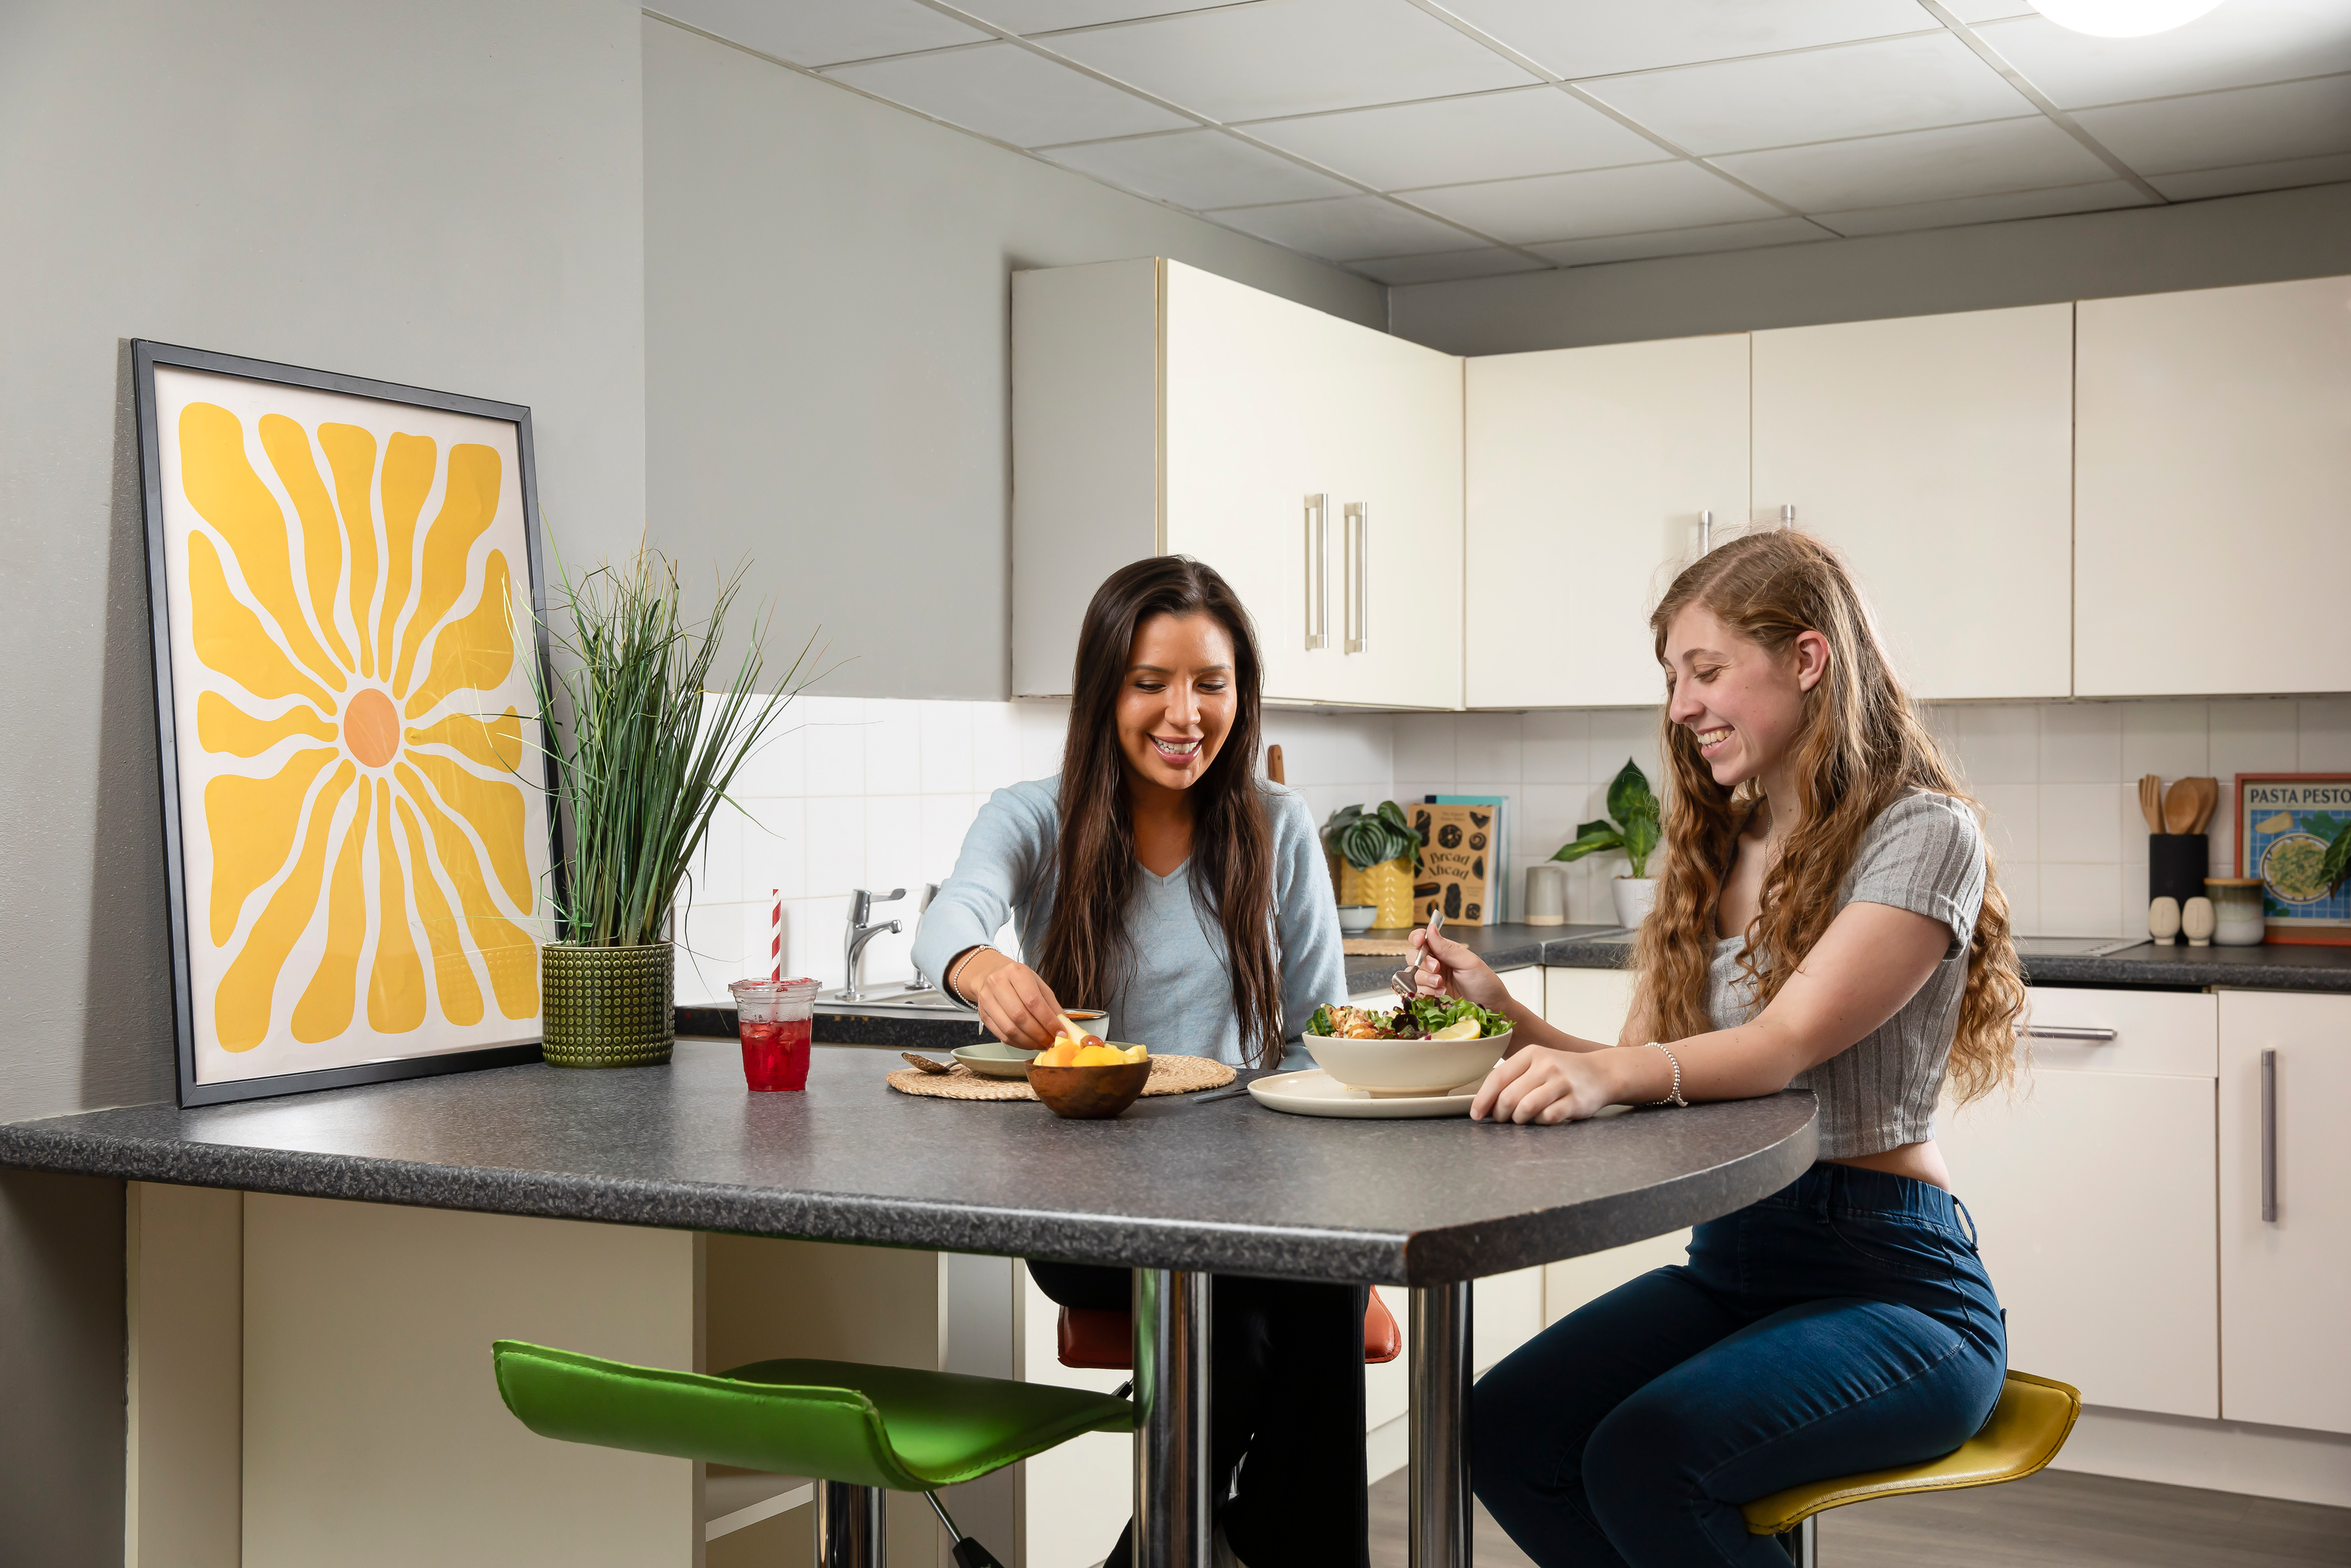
{"x": 1405, "y": 982}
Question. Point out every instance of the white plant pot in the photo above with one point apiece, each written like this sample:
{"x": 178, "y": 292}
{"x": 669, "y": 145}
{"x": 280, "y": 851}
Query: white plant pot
{"x": 1636, "y": 896}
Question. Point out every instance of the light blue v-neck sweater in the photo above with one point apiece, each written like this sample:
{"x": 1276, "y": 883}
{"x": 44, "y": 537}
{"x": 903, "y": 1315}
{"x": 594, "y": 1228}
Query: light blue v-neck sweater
{"x": 1179, "y": 999}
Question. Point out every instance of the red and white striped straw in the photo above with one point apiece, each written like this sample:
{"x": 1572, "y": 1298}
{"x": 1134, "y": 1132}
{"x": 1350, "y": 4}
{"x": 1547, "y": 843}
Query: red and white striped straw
{"x": 776, "y": 937}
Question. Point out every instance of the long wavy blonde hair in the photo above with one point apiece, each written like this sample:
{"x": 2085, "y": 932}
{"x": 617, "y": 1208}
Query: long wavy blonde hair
{"x": 1861, "y": 749}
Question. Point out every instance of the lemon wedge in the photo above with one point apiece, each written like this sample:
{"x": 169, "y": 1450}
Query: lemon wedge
{"x": 1465, "y": 1029}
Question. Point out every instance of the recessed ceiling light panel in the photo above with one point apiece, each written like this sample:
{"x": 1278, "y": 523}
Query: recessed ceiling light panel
{"x": 2123, "y": 18}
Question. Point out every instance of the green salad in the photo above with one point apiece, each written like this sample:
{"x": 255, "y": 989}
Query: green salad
{"x": 1423, "y": 1017}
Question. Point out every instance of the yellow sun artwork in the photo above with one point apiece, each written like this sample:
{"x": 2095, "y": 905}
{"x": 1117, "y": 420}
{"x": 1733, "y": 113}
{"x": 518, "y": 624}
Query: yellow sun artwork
{"x": 351, "y": 621}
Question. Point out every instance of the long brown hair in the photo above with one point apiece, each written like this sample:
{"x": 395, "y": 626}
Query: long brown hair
{"x": 1087, "y": 954}
{"x": 1861, "y": 749}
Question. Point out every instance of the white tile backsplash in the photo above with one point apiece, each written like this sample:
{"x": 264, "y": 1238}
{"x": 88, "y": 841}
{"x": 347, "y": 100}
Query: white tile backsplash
{"x": 876, "y": 793}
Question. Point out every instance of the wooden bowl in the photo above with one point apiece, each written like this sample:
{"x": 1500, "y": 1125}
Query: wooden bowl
{"x": 1088, "y": 1093}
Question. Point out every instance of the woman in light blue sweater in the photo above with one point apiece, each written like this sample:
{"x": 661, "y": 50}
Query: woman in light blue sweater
{"x": 1158, "y": 878}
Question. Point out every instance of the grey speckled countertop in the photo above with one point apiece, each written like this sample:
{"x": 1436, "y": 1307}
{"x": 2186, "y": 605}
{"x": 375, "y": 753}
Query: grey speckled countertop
{"x": 2272, "y": 966}
{"x": 1224, "y": 1185}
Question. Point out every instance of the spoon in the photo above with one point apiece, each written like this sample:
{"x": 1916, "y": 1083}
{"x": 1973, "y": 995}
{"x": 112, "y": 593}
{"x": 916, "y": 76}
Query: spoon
{"x": 1405, "y": 982}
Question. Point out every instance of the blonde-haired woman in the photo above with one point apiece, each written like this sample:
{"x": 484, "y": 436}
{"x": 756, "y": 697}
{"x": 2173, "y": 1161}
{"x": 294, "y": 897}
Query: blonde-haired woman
{"x": 1828, "y": 919}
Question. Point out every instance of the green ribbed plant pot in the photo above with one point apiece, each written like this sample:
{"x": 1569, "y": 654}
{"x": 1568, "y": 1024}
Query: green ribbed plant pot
{"x": 607, "y": 1007}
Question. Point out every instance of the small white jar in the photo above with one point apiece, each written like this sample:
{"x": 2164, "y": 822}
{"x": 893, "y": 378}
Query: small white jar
{"x": 2237, "y": 919}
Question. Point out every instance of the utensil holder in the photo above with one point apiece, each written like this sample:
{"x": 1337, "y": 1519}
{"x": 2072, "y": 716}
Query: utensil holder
{"x": 2176, "y": 865}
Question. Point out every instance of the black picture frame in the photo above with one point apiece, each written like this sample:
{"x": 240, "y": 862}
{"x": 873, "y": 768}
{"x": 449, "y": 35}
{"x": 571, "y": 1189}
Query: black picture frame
{"x": 146, "y": 357}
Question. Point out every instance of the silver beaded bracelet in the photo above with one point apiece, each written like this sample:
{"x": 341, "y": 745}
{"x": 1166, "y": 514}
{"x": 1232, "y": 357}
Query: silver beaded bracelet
{"x": 1672, "y": 1095}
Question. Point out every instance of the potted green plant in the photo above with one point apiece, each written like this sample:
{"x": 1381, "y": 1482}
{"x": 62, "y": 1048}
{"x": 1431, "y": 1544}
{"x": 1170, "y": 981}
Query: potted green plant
{"x": 642, "y": 762}
{"x": 1633, "y": 830}
{"x": 1377, "y": 852}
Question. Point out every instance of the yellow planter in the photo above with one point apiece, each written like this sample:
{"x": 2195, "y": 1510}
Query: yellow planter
{"x": 1387, "y": 887}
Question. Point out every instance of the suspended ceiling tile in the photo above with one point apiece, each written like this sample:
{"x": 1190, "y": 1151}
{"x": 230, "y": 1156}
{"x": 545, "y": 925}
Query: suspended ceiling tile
{"x": 1921, "y": 166}
{"x": 2102, "y": 196}
{"x": 1446, "y": 267}
{"x": 1349, "y": 228}
{"x": 2220, "y": 130}
{"x": 2243, "y": 44}
{"x": 1045, "y": 15}
{"x": 1599, "y": 201}
{"x": 1197, "y": 169}
{"x": 2246, "y": 177}
{"x": 1987, "y": 10}
{"x": 1682, "y": 242}
{"x": 1579, "y": 38}
{"x": 1003, "y": 90}
{"x": 1294, "y": 57}
{"x": 824, "y": 32}
{"x": 1816, "y": 95}
{"x": 1448, "y": 141}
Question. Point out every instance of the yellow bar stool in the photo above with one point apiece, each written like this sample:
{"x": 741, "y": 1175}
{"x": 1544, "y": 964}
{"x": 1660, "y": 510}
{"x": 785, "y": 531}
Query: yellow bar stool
{"x": 2027, "y": 1427}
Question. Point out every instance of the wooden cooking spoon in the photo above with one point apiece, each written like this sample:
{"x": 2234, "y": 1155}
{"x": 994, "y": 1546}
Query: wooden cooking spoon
{"x": 2150, "y": 801}
{"x": 2206, "y": 795}
{"x": 2178, "y": 808}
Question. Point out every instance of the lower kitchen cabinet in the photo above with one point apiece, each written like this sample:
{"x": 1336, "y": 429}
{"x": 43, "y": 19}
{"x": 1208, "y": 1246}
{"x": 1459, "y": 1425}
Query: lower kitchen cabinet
{"x": 2093, "y": 1196}
{"x": 2285, "y": 1272}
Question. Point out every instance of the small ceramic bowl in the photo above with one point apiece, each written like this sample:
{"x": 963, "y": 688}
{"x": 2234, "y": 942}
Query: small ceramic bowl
{"x": 994, "y": 1058}
{"x": 1390, "y": 1068}
{"x": 1086, "y": 1093}
{"x": 1354, "y": 919}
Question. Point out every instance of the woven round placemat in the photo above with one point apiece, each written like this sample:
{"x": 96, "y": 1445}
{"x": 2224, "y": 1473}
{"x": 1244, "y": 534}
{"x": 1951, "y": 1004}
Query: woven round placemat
{"x": 1169, "y": 1075}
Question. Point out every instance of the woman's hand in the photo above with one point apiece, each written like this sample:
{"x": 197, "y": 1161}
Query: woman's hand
{"x": 1444, "y": 968}
{"x": 1013, "y": 1000}
{"x": 1540, "y": 1084}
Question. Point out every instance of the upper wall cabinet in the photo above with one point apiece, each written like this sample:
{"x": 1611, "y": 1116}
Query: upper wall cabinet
{"x": 1316, "y": 464}
{"x": 1588, "y": 471}
{"x": 1937, "y": 452}
{"x": 2214, "y": 452}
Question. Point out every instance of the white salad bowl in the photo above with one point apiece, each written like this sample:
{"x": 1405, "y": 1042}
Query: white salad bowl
{"x": 1383, "y": 1068}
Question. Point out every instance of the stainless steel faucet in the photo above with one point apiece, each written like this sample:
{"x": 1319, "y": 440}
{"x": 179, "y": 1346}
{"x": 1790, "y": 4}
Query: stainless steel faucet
{"x": 852, "y": 945}
{"x": 922, "y": 982}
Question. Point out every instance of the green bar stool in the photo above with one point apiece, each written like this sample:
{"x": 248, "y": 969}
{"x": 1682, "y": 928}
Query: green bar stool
{"x": 2030, "y": 1424}
{"x": 860, "y": 1431}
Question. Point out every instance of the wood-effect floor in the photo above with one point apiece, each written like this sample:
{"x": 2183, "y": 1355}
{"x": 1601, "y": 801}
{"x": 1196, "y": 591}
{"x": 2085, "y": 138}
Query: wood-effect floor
{"x": 2055, "y": 1519}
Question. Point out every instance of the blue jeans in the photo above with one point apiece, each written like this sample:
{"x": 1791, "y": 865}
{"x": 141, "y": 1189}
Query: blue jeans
{"x": 1843, "y": 1324}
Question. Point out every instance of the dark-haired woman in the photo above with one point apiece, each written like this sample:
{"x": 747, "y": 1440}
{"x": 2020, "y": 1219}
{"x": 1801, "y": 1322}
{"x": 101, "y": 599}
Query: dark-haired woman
{"x": 1157, "y": 877}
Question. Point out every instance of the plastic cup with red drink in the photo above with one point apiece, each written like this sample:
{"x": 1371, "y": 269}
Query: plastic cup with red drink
{"x": 774, "y": 1019}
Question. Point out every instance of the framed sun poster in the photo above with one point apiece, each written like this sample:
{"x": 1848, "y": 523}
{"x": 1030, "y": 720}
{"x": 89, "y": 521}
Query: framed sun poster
{"x": 344, "y": 578}
{"x": 2293, "y": 831}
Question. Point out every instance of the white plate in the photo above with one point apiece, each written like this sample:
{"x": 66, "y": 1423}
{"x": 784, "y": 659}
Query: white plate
{"x": 1315, "y": 1092}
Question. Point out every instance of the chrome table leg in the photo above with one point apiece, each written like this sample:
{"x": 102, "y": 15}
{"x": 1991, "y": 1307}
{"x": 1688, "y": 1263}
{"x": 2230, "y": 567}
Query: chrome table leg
{"x": 1173, "y": 1512}
{"x": 851, "y": 1525}
{"x": 1439, "y": 1473}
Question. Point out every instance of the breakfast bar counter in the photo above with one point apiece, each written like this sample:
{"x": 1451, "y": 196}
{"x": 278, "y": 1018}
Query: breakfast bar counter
{"x": 1430, "y": 1205}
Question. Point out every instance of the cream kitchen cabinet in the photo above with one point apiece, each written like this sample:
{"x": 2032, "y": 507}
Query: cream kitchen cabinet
{"x": 2213, "y": 451}
{"x": 1158, "y": 409}
{"x": 1588, "y": 471}
{"x": 2286, "y": 1208}
{"x": 2091, "y": 1190}
{"x": 1936, "y": 452}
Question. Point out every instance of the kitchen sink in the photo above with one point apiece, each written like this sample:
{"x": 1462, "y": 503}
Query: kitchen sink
{"x": 891, "y": 999}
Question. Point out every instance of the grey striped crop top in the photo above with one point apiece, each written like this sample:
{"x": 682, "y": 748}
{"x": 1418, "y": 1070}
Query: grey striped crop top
{"x": 1925, "y": 854}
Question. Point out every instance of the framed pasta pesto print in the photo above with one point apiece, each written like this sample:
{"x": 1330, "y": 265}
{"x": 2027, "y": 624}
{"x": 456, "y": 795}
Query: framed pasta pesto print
{"x": 344, "y": 581}
{"x": 2294, "y": 833}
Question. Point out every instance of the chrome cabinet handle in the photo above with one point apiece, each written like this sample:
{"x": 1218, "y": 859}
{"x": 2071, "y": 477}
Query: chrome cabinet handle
{"x": 1359, "y": 575}
{"x": 2093, "y": 1035}
{"x": 1318, "y": 572}
{"x": 1705, "y": 533}
{"x": 2269, "y": 1138}
{"x": 1787, "y": 515}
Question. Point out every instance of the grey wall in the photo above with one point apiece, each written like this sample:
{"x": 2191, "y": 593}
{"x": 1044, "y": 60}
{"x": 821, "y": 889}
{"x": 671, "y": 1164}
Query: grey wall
{"x": 827, "y": 284}
{"x": 2194, "y": 245}
{"x": 442, "y": 192}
